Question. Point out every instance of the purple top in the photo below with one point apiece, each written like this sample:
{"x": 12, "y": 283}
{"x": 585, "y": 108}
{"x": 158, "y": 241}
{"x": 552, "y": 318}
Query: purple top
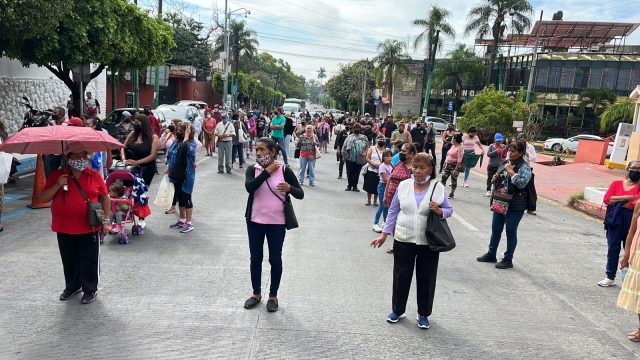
{"x": 386, "y": 169}
{"x": 394, "y": 209}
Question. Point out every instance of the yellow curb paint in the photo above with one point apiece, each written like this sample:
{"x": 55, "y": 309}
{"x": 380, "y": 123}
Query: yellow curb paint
{"x": 554, "y": 203}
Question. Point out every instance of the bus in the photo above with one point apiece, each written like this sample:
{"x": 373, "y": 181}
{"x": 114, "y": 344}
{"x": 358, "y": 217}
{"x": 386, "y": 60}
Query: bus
{"x": 301, "y": 104}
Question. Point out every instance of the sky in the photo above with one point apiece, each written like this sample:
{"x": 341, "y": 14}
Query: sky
{"x": 310, "y": 34}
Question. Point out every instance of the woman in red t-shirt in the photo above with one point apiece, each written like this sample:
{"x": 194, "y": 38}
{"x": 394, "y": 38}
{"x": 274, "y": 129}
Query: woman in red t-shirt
{"x": 77, "y": 240}
{"x": 624, "y": 192}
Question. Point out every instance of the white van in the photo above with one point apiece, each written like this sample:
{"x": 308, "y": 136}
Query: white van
{"x": 291, "y": 108}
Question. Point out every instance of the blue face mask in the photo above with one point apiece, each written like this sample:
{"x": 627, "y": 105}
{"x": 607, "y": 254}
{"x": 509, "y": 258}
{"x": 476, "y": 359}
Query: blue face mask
{"x": 224, "y": 119}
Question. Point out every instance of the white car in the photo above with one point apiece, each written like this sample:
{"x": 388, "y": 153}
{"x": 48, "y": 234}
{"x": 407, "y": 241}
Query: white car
{"x": 439, "y": 124}
{"x": 560, "y": 145}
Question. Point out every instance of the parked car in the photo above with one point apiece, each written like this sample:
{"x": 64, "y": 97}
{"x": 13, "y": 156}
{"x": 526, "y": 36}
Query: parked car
{"x": 185, "y": 113}
{"x": 194, "y": 103}
{"x": 571, "y": 144}
{"x": 115, "y": 117}
{"x": 439, "y": 124}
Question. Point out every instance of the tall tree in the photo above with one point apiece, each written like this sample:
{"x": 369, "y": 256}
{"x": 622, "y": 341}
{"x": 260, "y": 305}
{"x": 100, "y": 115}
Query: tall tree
{"x": 191, "y": 47}
{"x": 619, "y": 112}
{"x": 322, "y": 73}
{"x": 489, "y": 18}
{"x": 242, "y": 43}
{"x": 390, "y": 62}
{"x": 110, "y": 33}
{"x": 436, "y": 20}
{"x": 464, "y": 68}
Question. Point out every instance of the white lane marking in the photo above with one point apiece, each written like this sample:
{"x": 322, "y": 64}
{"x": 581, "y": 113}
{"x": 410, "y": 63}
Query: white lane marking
{"x": 203, "y": 160}
{"x": 464, "y": 222}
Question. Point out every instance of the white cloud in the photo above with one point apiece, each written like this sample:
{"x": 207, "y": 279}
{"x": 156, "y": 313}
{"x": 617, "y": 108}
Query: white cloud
{"x": 351, "y": 29}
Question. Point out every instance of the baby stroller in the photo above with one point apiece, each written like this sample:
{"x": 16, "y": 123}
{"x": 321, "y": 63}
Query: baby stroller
{"x": 137, "y": 201}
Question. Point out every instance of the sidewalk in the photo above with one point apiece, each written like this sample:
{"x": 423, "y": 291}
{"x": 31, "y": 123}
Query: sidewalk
{"x": 558, "y": 183}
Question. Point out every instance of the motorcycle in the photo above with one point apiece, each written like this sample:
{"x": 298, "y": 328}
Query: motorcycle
{"x": 34, "y": 117}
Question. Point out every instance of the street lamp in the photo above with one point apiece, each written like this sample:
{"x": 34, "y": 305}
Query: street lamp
{"x": 227, "y": 18}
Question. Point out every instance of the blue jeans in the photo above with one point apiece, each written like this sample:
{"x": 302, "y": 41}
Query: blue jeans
{"x": 282, "y": 148}
{"x": 275, "y": 240}
{"x": 467, "y": 169}
{"x": 303, "y": 164}
{"x": 287, "y": 143}
{"x": 382, "y": 210}
{"x": 511, "y": 220}
{"x": 237, "y": 150}
{"x": 387, "y": 143}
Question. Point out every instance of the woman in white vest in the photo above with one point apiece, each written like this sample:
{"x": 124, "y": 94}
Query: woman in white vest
{"x": 407, "y": 220}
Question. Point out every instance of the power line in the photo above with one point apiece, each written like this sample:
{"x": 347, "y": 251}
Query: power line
{"x": 311, "y": 56}
{"x": 302, "y": 43}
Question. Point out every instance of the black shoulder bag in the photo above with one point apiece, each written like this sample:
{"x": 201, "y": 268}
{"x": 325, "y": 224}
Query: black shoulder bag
{"x": 94, "y": 209}
{"x": 438, "y": 234}
{"x": 290, "y": 220}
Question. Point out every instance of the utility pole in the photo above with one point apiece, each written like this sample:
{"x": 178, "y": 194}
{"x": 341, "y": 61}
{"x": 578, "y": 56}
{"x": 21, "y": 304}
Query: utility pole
{"x": 533, "y": 64}
{"x": 432, "y": 61}
{"x": 364, "y": 84}
{"x": 156, "y": 85}
{"x": 226, "y": 53}
{"x": 135, "y": 81}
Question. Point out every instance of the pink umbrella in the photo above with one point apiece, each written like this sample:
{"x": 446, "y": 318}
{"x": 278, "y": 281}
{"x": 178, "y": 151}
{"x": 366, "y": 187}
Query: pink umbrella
{"x": 59, "y": 140}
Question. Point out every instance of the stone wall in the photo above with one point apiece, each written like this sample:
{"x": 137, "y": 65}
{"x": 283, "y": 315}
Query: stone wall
{"x": 43, "y": 89}
{"x": 407, "y": 91}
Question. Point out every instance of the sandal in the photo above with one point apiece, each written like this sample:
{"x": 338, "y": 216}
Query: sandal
{"x": 312, "y": 184}
{"x": 375, "y": 204}
{"x": 634, "y": 336}
{"x": 367, "y": 204}
{"x": 390, "y": 250}
{"x": 170, "y": 210}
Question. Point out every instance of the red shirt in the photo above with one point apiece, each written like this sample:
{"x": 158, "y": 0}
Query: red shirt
{"x": 69, "y": 210}
{"x": 209, "y": 124}
{"x": 617, "y": 189}
{"x": 399, "y": 173}
{"x": 155, "y": 125}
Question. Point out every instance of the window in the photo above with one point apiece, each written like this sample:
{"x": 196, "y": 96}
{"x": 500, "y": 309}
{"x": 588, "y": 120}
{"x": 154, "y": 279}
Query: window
{"x": 595, "y": 78}
{"x": 635, "y": 78}
{"x": 567, "y": 79}
{"x": 541, "y": 77}
{"x": 610, "y": 76}
{"x": 581, "y": 78}
{"x": 624, "y": 75}
{"x": 554, "y": 77}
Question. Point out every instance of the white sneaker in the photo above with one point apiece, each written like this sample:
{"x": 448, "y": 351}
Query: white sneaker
{"x": 488, "y": 194}
{"x": 142, "y": 224}
{"x": 607, "y": 282}
{"x": 377, "y": 228}
{"x": 464, "y": 183}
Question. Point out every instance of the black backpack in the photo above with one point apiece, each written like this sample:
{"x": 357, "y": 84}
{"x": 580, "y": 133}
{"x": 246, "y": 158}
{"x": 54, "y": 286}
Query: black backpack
{"x": 178, "y": 171}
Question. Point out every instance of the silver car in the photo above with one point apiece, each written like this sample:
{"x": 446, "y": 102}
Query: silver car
{"x": 439, "y": 124}
{"x": 571, "y": 144}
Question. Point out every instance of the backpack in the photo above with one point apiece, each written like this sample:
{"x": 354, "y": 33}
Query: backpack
{"x": 357, "y": 148}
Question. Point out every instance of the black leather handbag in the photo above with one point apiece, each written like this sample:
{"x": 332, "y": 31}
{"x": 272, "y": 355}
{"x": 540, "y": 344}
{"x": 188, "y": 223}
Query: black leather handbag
{"x": 290, "y": 219}
{"x": 95, "y": 213}
{"x": 439, "y": 237}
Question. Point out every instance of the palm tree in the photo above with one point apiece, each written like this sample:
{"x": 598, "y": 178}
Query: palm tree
{"x": 243, "y": 44}
{"x": 390, "y": 61}
{"x": 436, "y": 20}
{"x": 595, "y": 98}
{"x": 322, "y": 73}
{"x": 619, "y": 112}
{"x": 489, "y": 18}
{"x": 464, "y": 68}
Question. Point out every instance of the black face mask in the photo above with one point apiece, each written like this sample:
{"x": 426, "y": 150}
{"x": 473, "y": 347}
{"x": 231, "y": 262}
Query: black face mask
{"x": 634, "y": 176}
{"x": 171, "y": 128}
{"x": 180, "y": 136}
{"x": 55, "y": 117}
{"x": 348, "y": 129}
{"x": 127, "y": 121}
{"x": 381, "y": 143}
{"x": 137, "y": 128}
{"x": 402, "y": 157}
{"x": 147, "y": 112}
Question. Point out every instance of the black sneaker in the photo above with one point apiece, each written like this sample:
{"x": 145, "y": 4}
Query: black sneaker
{"x": 348, "y": 188}
{"x": 450, "y": 196}
{"x": 272, "y": 305}
{"x": 88, "y": 298}
{"x": 68, "y": 294}
{"x": 251, "y": 302}
{"x": 487, "y": 258}
{"x": 356, "y": 190}
{"x": 339, "y": 177}
{"x": 504, "y": 264}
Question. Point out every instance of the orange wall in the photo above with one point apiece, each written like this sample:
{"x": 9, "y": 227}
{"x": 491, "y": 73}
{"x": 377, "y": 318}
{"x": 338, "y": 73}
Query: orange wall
{"x": 591, "y": 151}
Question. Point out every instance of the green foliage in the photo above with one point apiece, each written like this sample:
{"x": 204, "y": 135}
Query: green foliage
{"x": 415, "y": 118}
{"x": 436, "y": 20}
{"x": 346, "y": 87}
{"x": 110, "y": 33}
{"x": 570, "y": 119}
{"x": 463, "y": 69}
{"x": 250, "y": 89}
{"x": 21, "y": 20}
{"x": 277, "y": 74}
{"x": 243, "y": 44}
{"x": 390, "y": 62}
{"x": 442, "y": 111}
{"x": 595, "y": 98}
{"x": 493, "y": 111}
{"x": 619, "y": 112}
{"x": 322, "y": 73}
{"x": 397, "y": 116}
{"x": 575, "y": 197}
{"x": 191, "y": 48}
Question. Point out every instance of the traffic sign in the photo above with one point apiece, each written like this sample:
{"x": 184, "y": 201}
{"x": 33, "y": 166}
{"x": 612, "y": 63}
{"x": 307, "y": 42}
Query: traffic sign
{"x": 376, "y": 102}
{"x": 234, "y": 89}
{"x": 450, "y": 105}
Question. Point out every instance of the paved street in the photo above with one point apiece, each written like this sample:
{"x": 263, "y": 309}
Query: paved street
{"x": 167, "y": 295}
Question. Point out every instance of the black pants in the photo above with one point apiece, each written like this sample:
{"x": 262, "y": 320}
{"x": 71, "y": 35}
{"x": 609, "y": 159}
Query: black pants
{"x": 51, "y": 163}
{"x": 80, "y": 262}
{"x": 444, "y": 156}
{"x": 533, "y": 195}
{"x": 353, "y": 174}
{"x": 184, "y": 199}
{"x": 490, "y": 172}
{"x": 405, "y": 255}
{"x": 275, "y": 239}
{"x": 431, "y": 148}
{"x": 341, "y": 166}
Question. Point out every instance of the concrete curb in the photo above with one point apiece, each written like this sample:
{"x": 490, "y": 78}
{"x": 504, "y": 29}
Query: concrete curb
{"x": 590, "y": 208}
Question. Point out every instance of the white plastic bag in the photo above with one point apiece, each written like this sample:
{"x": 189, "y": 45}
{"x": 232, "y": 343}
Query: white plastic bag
{"x": 164, "y": 198}
{"x": 6, "y": 160}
